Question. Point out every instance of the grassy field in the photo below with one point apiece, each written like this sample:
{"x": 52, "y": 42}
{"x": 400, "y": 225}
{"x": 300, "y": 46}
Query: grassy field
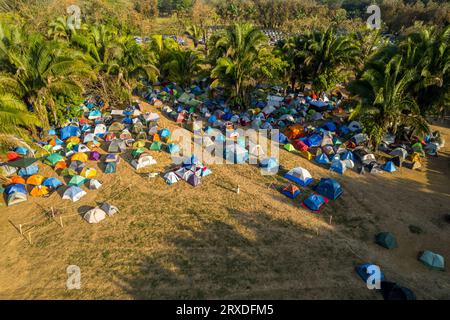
{"x": 210, "y": 242}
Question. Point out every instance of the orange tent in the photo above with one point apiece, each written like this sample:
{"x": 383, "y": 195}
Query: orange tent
{"x": 39, "y": 191}
{"x": 80, "y": 156}
{"x": 35, "y": 179}
{"x": 74, "y": 140}
{"x": 295, "y": 131}
{"x": 17, "y": 179}
{"x": 60, "y": 165}
{"x": 156, "y": 137}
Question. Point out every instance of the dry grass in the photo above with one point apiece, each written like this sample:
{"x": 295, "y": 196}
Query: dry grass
{"x": 209, "y": 242}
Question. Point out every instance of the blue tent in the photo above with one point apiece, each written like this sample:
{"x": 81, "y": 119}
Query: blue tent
{"x": 127, "y": 120}
{"x": 269, "y": 164}
{"x": 164, "y": 133}
{"x": 95, "y": 114}
{"x": 52, "y": 132}
{"x": 322, "y": 159}
{"x": 361, "y": 270}
{"x": 338, "y": 166}
{"x": 28, "y": 171}
{"x": 389, "y": 167}
{"x": 344, "y": 130}
{"x": 235, "y": 153}
{"x": 190, "y": 161}
{"x": 111, "y": 167}
{"x": 173, "y": 148}
{"x": 227, "y": 116}
{"x": 17, "y": 187}
{"x": 314, "y": 202}
{"x": 347, "y": 155}
{"x": 313, "y": 141}
{"x": 212, "y": 119}
{"x": 329, "y": 188}
{"x": 21, "y": 150}
{"x": 69, "y": 131}
{"x": 52, "y": 182}
{"x": 281, "y": 138}
{"x": 85, "y": 128}
{"x": 330, "y": 126}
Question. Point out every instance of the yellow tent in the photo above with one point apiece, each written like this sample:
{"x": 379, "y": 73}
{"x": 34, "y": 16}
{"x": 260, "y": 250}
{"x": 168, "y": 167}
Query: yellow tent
{"x": 35, "y": 179}
{"x": 139, "y": 144}
{"x": 88, "y": 173}
{"x": 39, "y": 191}
{"x": 306, "y": 154}
{"x": 74, "y": 140}
{"x": 93, "y": 144}
{"x": 80, "y": 156}
{"x": 415, "y": 157}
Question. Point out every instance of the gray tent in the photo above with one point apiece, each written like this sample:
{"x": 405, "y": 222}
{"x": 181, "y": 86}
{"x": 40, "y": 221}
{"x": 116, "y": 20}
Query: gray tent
{"x": 117, "y": 146}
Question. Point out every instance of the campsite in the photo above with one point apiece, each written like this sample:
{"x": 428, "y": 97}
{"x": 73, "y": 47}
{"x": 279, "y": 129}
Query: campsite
{"x": 101, "y": 179}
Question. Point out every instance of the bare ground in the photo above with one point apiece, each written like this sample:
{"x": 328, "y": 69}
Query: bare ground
{"x": 210, "y": 242}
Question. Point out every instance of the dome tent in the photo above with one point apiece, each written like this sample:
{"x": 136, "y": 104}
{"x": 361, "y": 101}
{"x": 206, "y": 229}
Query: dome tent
{"x": 299, "y": 175}
{"x": 386, "y": 240}
{"x": 329, "y": 188}
{"x": 432, "y": 260}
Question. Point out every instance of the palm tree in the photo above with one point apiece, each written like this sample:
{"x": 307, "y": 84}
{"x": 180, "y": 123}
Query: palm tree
{"x": 195, "y": 33}
{"x": 39, "y": 71}
{"x": 383, "y": 102}
{"x": 60, "y": 29}
{"x": 237, "y": 61}
{"x": 184, "y": 67}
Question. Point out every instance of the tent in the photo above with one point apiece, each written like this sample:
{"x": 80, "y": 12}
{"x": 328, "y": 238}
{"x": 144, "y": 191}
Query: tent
{"x": 28, "y": 171}
{"x": 52, "y": 183}
{"x": 35, "y": 180}
{"x": 89, "y": 138}
{"x": 76, "y": 180}
{"x": 354, "y": 126}
{"x": 386, "y": 240}
{"x": 389, "y": 167}
{"x": 116, "y": 126}
{"x": 235, "y": 153}
{"x": 314, "y": 202}
{"x": 300, "y": 145}
{"x": 13, "y": 188}
{"x": 21, "y": 151}
{"x": 94, "y": 184}
{"x": 94, "y": 215}
{"x": 53, "y": 159}
{"x": 81, "y": 148}
{"x": 347, "y": 155}
{"x": 155, "y": 146}
{"x": 289, "y": 147}
{"x": 15, "y": 198}
{"x": 137, "y": 152}
{"x": 79, "y": 156}
{"x": 109, "y": 209}
{"x": 362, "y": 271}
{"x": 68, "y": 172}
{"x": 306, "y": 154}
{"x": 322, "y": 159}
{"x": 329, "y": 188}
{"x": 171, "y": 178}
{"x": 338, "y": 166}
{"x": 94, "y": 155}
{"x": 69, "y": 131}
{"x": 88, "y": 173}
{"x": 17, "y": 179}
{"x": 299, "y": 175}
{"x": 194, "y": 180}
{"x": 117, "y": 146}
{"x": 77, "y": 165}
{"x": 111, "y": 167}
{"x": 393, "y": 291}
{"x": 173, "y": 148}
{"x": 432, "y": 260}
{"x": 294, "y": 131}
{"x": 39, "y": 191}
{"x": 74, "y": 194}
{"x": 100, "y": 129}
{"x": 269, "y": 165}
{"x": 399, "y": 152}
{"x": 22, "y": 162}
{"x": 7, "y": 170}
{"x": 291, "y": 191}
{"x": 112, "y": 158}
{"x": 145, "y": 160}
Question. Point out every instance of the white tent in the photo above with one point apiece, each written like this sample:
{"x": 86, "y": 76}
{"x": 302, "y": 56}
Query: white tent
{"x": 94, "y": 184}
{"x": 100, "y": 129}
{"x": 360, "y": 138}
{"x": 299, "y": 175}
{"x": 354, "y": 126}
{"x": 15, "y": 198}
{"x": 143, "y": 162}
{"x": 74, "y": 194}
{"x": 109, "y": 209}
{"x": 171, "y": 178}
{"x": 7, "y": 170}
{"x": 95, "y": 215}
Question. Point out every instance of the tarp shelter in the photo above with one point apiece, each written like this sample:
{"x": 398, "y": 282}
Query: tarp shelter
{"x": 111, "y": 167}
{"x": 432, "y": 260}
{"x": 299, "y": 175}
{"x": 35, "y": 180}
{"x": 95, "y": 215}
{"x": 94, "y": 184}
{"x": 76, "y": 181}
{"x": 362, "y": 271}
{"x": 315, "y": 202}
{"x": 171, "y": 178}
{"x": 28, "y": 171}
{"x": 52, "y": 183}
{"x": 74, "y": 194}
{"x": 393, "y": 291}
{"x": 22, "y": 162}
{"x": 109, "y": 209}
{"x": 329, "y": 188}
{"x": 39, "y": 191}
{"x": 291, "y": 191}
{"x": 386, "y": 240}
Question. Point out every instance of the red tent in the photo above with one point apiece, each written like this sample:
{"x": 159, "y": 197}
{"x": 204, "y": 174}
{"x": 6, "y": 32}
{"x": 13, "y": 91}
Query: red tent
{"x": 300, "y": 145}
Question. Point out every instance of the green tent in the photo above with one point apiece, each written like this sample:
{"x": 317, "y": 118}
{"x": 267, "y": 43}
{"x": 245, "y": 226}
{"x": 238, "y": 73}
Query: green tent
{"x": 156, "y": 146}
{"x": 76, "y": 181}
{"x": 289, "y": 147}
{"x": 111, "y": 167}
{"x": 53, "y": 159}
{"x": 68, "y": 172}
{"x": 137, "y": 152}
{"x": 22, "y": 162}
{"x": 432, "y": 260}
{"x": 386, "y": 240}
{"x": 417, "y": 147}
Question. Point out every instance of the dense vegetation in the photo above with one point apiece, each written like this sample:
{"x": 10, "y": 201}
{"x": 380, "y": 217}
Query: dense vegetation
{"x": 47, "y": 66}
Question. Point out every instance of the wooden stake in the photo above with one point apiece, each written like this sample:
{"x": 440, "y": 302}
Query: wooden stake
{"x": 20, "y": 229}
{"x": 53, "y": 213}
{"x": 61, "y": 222}
{"x": 238, "y": 190}
{"x": 29, "y": 237}
{"x": 331, "y": 218}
